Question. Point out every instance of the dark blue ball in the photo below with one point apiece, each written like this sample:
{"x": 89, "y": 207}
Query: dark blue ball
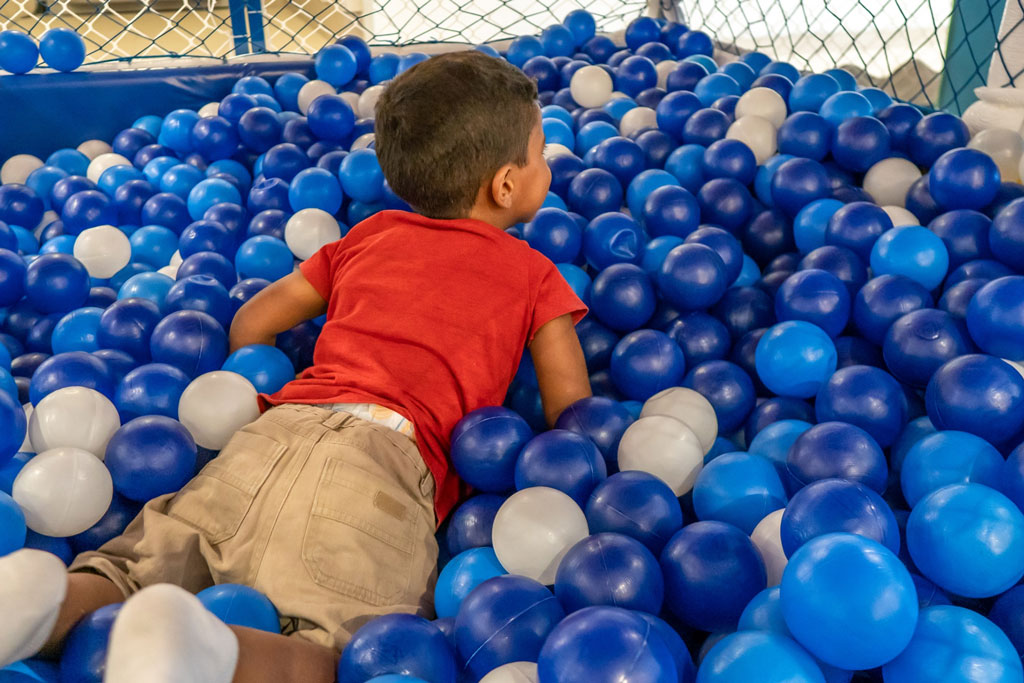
{"x": 775, "y": 410}
{"x": 150, "y": 456}
{"x": 982, "y": 395}
{"x": 701, "y": 337}
{"x": 957, "y": 298}
{"x": 743, "y": 309}
{"x": 967, "y": 235}
{"x": 685, "y": 76}
{"x": 398, "y": 642}
{"x": 730, "y": 159}
{"x": 866, "y": 397}
{"x": 725, "y": 245}
{"x": 602, "y": 420}
{"x": 836, "y": 450}
{"x": 192, "y": 341}
{"x": 610, "y": 569}
{"x": 564, "y": 168}
{"x": 768, "y": 235}
{"x": 470, "y": 524}
{"x": 729, "y": 389}
{"x": 838, "y": 506}
{"x": 798, "y": 182}
{"x": 815, "y": 296}
{"x": 934, "y": 135}
{"x": 776, "y": 82}
{"x": 705, "y": 126}
{"x": 985, "y": 269}
{"x": 921, "y": 341}
{"x": 638, "y": 505}
{"x": 857, "y": 226}
{"x": 900, "y": 120}
{"x": 200, "y": 293}
{"x": 646, "y": 362}
{"x": 484, "y": 447}
{"x": 75, "y": 368}
{"x": 883, "y": 300}
{"x": 594, "y": 192}
{"x": 562, "y": 460}
{"x": 964, "y": 179}
{"x": 692, "y": 277}
{"x": 657, "y": 146}
{"x": 1005, "y": 237}
{"x": 167, "y": 210}
{"x": 725, "y": 202}
{"x": 671, "y": 210}
{"x": 622, "y": 297}
{"x": 921, "y": 203}
{"x": 839, "y": 261}
{"x": 860, "y": 142}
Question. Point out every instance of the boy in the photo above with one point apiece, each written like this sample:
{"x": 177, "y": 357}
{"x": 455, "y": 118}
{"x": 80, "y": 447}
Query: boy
{"x": 329, "y": 502}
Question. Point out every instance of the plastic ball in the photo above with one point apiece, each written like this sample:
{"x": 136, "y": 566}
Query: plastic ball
{"x": 56, "y": 283}
{"x": 637, "y": 504}
{"x": 795, "y": 358}
{"x": 600, "y": 419}
{"x": 76, "y": 331}
{"x": 964, "y": 179}
{"x": 85, "y": 653}
{"x": 102, "y": 250}
{"x": 727, "y": 387}
{"x": 266, "y": 367}
{"x": 705, "y": 126}
{"x": 814, "y": 296}
{"x": 750, "y": 655}
{"x": 239, "y": 605}
{"x": 912, "y": 251}
{"x": 534, "y": 529}
{"x": 63, "y": 491}
{"x": 934, "y": 135}
{"x": 918, "y": 343}
{"x": 798, "y": 182}
{"x": 192, "y": 341}
{"x": 264, "y": 257}
{"x": 610, "y": 239}
{"x": 845, "y": 105}
{"x": 18, "y": 52}
{"x": 738, "y": 488}
{"x": 849, "y": 601}
{"x": 609, "y": 569}
{"x": 485, "y": 445}
{"x": 402, "y": 646}
{"x": 712, "y": 570}
{"x": 725, "y": 202}
{"x": 151, "y": 456}
{"x": 215, "y": 405}
{"x": 151, "y": 389}
{"x": 994, "y": 318}
{"x": 967, "y": 538}
{"x": 978, "y": 394}
{"x": 310, "y": 229}
{"x": 837, "y": 505}
{"x": 75, "y": 368}
{"x": 461, "y": 575}
{"x": 664, "y": 447}
{"x": 837, "y": 450}
{"x": 945, "y": 458}
{"x": 692, "y": 277}
{"x": 523, "y": 611}
{"x": 561, "y": 460}
{"x": 73, "y": 417}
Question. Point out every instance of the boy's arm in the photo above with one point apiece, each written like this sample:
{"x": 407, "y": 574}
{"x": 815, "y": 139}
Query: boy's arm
{"x": 561, "y": 368}
{"x": 280, "y": 306}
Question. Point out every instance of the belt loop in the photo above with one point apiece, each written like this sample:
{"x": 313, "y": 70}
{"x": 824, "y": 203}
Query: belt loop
{"x": 336, "y": 420}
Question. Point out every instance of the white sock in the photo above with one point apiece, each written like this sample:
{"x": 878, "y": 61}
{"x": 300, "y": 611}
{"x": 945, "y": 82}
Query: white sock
{"x": 163, "y": 634}
{"x": 33, "y": 584}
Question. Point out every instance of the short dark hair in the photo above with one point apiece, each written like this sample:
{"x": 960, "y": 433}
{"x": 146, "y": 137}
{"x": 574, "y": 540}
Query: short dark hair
{"x": 446, "y": 125}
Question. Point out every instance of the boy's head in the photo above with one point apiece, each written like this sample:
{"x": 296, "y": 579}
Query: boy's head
{"x": 460, "y": 136}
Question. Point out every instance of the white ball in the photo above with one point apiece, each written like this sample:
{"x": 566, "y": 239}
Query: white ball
{"x": 76, "y": 417}
{"x": 176, "y": 259}
{"x": 367, "y": 105}
{"x": 900, "y": 216}
{"x": 215, "y": 405}
{"x": 534, "y": 529}
{"x": 63, "y": 491}
{"x": 664, "y": 68}
{"x": 591, "y": 87}
{"x": 553, "y": 149}
{"x": 665, "y": 447}
{"x": 766, "y": 537}
{"x": 26, "y": 445}
{"x": 759, "y": 134}
{"x": 94, "y": 148}
{"x": 514, "y": 672}
{"x": 690, "y": 408}
{"x": 890, "y": 179}
{"x": 312, "y": 90}
{"x": 209, "y": 110}
{"x": 103, "y": 250}
{"x": 363, "y": 141}
{"x": 763, "y": 102}
{"x": 1019, "y": 367}
{"x": 1005, "y": 147}
{"x": 170, "y": 271}
{"x": 637, "y": 119}
{"x": 308, "y": 230}
{"x": 351, "y": 99}
{"x": 18, "y": 168}
{"x": 102, "y": 162}
{"x": 49, "y": 216}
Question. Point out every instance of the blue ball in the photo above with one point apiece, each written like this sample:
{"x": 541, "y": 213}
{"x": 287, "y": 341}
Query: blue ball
{"x": 600, "y": 419}
{"x": 849, "y": 601}
{"x": 331, "y": 118}
{"x": 738, "y": 488}
{"x": 638, "y": 505}
{"x": 685, "y": 76}
{"x": 730, "y": 159}
{"x": 590, "y": 135}
{"x": 214, "y": 137}
{"x": 42, "y": 180}
{"x": 634, "y": 75}
{"x": 964, "y": 179}
{"x": 968, "y": 539}
{"x": 900, "y": 119}
{"x": 865, "y": 397}
{"x": 774, "y": 439}
{"x": 361, "y": 176}
{"x": 284, "y": 161}
{"x": 12, "y": 277}
{"x": 755, "y": 655}
{"x": 744, "y": 309}
{"x": 84, "y": 656}
{"x": 811, "y": 223}
{"x": 948, "y": 643}
{"x": 315, "y": 188}
{"x": 150, "y": 286}
{"x": 912, "y": 251}
{"x": 883, "y": 300}
{"x": 259, "y": 129}
{"x": 641, "y": 187}
{"x": 790, "y": 72}
{"x": 264, "y": 257}
{"x": 167, "y": 210}
{"x": 701, "y": 337}
{"x": 1005, "y": 236}
{"x": 671, "y": 210}
{"x": 464, "y": 572}
{"x": 12, "y": 530}
{"x": 978, "y": 394}
{"x": 470, "y": 524}
{"x": 1006, "y": 613}
{"x": 582, "y": 25}
{"x": 520, "y": 608}
{"x": 555, "y": 234}
{"x": 150, "y": 456}
{"x": 200, "y": 293}
{"x": 837, "y": 505}
{"x": 192, "y": 341}
{"x": 715, "y": 86}
{"x": 779, "y": 84}
{"x": 612, "y": 238}
{"x": 795, "y": 358}
{"x": 946, "y": 458}
{"x": 87, "y": 209}
{"x": 267, "y": 367}
{"x": 837, "y": 450}
{"x": 75, "y": 368}
{"x": 239, "y": 605}
{"x": 335, "y": 64}
{"x": 561, "y": 460}
{"x": 524, "y": 48}
{"x": 77, "y": 331}
{"x": 646, "y": 362}
{"x": 705, "y": 126}
{"x": 860, "y": 142}
{"x": 728, "y": 388}
{"x": 692, "y": 277}
{"x": 676, "y": 108}
{"x": 845, "y": 105}
{"x": 151, "y": 389}
{"x": 993, "y": 318}
{"x": 711, "y": 570}
{"x": 798, "y": 182}
{"x": 918, "y": 343}
{"x": 286, "y": 89}
{"x": 725, "y": 202}
{"x": 484, "y": 447}
{"x": 245, "y": 290}
{"x": 622, "y": 297}
{"x": 398, "y": 643}
{"x": 610, "y": 569}
{"x": 934, "y": 135}
{"x": 810, "y": 92}
{"x": 814, "y": 296}
{"x": 858, "y": 226}
{"x": 176, "y": 130}
{"x": 18, "y": 52}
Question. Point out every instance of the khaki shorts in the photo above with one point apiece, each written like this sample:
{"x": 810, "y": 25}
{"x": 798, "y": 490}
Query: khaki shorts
{"x": 330, "y": 516}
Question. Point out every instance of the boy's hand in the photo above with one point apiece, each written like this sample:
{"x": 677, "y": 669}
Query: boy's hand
{"x": 281, "y": 306}
{"x": 561, "y": 368}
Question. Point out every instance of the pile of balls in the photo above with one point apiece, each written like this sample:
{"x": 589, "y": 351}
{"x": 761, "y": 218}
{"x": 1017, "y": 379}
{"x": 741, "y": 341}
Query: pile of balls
{"x": 801, "y": 461}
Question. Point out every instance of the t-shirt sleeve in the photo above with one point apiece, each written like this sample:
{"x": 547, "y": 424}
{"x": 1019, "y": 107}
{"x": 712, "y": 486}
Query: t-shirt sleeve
{"x": 319, "y": 268}
{"x": 553, "y": 298}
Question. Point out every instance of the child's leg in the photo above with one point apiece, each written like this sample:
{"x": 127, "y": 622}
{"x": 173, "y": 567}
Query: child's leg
{"x": 86, "y": 593}
{"x": 272, "y": 658}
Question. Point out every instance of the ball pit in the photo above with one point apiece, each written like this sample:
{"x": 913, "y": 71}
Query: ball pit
{"x": 804, "y": 341}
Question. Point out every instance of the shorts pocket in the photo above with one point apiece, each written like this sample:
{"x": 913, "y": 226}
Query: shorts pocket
{"x": 360, "y": 536}
{"x": 217, "y": 500}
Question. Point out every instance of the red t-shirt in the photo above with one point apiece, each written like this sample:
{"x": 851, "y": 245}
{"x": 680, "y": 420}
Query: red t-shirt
{"x": 428, "y": 318}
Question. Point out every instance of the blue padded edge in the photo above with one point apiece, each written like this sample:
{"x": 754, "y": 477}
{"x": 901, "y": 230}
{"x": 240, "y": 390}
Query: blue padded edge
{"x": 41, "y": 113}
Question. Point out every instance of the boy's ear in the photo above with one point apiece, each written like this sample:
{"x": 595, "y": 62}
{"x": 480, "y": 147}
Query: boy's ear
{"x": 503, "y": 186}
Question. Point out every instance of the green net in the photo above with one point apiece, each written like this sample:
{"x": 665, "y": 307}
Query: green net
{"x": 929, "y": 52}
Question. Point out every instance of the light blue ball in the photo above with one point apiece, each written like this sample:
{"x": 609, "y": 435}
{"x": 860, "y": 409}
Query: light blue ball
{"x": 948, "y": 457}
{"x": 913, "y": 251}
{"x": 461, "y": 575}
{"x": 795, "y": 358}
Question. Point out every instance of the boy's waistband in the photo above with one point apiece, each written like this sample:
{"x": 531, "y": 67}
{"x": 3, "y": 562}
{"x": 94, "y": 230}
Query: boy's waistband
{"x": 372, "y": 412}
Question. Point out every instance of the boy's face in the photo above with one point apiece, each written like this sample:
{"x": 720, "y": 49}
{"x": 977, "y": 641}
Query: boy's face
{"x": 534, "y": 178}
